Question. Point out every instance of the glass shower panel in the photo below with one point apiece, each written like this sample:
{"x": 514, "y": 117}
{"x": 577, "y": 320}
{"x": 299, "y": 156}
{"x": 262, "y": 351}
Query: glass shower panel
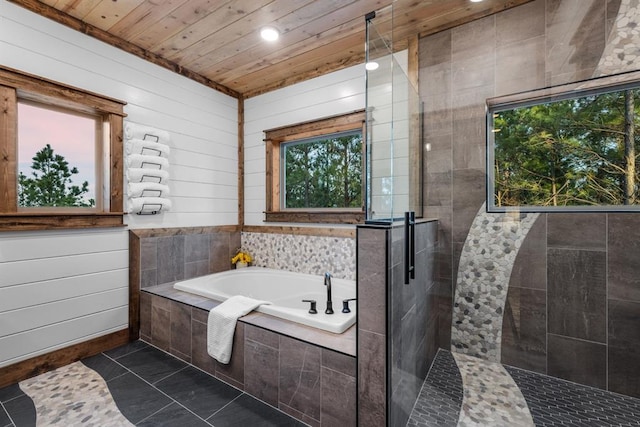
{"x": 394, "y": 154}
{"x": 379, "y": 94}
{"x": 394, "y": 176}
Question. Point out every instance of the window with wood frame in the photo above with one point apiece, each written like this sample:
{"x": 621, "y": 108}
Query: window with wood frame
{"x": 315, "y": 171}
{"x": 60, "y": 155}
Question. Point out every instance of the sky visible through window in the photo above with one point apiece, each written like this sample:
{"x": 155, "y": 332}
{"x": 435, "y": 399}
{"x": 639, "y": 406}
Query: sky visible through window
{"x": 70, "y": 135}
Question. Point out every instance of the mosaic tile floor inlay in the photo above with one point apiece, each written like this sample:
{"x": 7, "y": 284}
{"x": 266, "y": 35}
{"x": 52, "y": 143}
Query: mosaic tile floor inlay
{"x": 73, "y": 395}
{"x": 491, "y": 397}
{"x": 508, "y": 396}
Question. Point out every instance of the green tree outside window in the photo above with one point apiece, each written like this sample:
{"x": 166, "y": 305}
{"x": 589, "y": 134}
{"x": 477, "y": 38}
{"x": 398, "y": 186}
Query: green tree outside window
{"x": 50, "y": 183}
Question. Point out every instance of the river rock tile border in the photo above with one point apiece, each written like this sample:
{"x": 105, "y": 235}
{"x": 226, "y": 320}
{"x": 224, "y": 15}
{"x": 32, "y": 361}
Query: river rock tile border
{"x": 73, "y": 395}
{"x": 303, "y": 254}
{"x": 491, "y": 397}
{"x": 622, "y": 51}
{"x": 485, "y": 267}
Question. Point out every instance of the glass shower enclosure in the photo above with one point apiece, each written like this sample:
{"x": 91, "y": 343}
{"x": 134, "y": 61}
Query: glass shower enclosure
{"x": 394, "y": 198}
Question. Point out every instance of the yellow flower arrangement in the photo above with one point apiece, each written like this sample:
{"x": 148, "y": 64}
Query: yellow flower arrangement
{"x": 242, "y": 256}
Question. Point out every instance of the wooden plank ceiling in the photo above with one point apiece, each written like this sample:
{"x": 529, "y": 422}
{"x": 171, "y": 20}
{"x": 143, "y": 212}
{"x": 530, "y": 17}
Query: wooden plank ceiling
{"x": 217, "y": 42}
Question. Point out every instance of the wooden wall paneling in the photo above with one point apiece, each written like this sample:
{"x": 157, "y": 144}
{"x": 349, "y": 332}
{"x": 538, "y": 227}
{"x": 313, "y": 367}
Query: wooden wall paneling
{"x": 302, "y": 231}
{"x": 240, "y": 161}
{"x": 415, "y": 131}
{"x": 41, "y": 89}
{"x": 116, "y": 153}
{"x": 8, "y": 154}
{"x": 134, "y": 285}
{"x": 176, "y": 231}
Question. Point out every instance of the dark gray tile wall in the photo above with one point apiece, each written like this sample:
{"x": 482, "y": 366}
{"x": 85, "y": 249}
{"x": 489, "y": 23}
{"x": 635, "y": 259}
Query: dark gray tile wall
{"x": 390, "y": 310}
{"x": 310, "y": 383}
{"x": 575, "y": 280}
{"x": 577, "y": 294}
{"x": 580, "y": 361}
{"x": 185, "y": 255}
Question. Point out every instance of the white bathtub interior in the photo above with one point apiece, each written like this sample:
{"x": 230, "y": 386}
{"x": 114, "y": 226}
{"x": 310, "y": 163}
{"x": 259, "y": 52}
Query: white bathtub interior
{"x": 285, "y": 291}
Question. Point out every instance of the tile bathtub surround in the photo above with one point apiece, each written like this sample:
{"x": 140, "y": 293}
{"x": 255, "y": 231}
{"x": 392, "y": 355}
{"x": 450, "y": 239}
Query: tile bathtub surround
{"x": 303, "y": 254}
{"x": 282, "y": 371}
{"x": 184, "y": 253}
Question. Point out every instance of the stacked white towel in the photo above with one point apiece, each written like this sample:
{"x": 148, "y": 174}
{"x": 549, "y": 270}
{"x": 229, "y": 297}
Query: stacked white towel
{"x": 133, "y": 131}
{"x": 147, "y": 164}
{"x": 144, "y": 161}
{"x": 221, "y": 325}
{"x": 147, "y": 175}
{"x": 149, "y": 148}
{"x": 149, "y": 205}
{"x": 147, "y": 189}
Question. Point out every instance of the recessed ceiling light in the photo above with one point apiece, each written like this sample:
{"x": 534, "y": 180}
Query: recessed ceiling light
{"x": 269, "y": 34}
{"x": 475, "y": 1}
{"x": 372, "y": 65}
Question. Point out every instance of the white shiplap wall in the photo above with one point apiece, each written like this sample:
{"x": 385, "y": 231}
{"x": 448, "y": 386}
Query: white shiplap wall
{"x": 58, "y": 288}
{"x": 336, "y": 93}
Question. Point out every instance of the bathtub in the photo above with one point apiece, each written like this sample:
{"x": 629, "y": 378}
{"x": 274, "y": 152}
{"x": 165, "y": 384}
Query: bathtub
{"x": 285, "y": 290}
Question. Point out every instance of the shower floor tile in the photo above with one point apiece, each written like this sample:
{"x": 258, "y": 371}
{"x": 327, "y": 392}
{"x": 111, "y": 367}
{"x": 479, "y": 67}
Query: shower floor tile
{"x": 551, "y": 401}
{"x": 150, "y": 388}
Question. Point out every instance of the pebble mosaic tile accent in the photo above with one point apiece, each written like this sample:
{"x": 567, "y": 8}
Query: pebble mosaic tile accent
{"x": 73, "y": 395}
{"x": 440, "y": 398}
{"x": 491, "y": 397}
{"x": 303, "y": 254}
{"x": 555, "y": 402}
{"x": 622, "y": 52}
{"x": 485, "y": 266}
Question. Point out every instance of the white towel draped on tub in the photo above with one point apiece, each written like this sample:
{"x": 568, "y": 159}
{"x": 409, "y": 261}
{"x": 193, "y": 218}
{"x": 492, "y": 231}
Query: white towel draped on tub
{"x": 222, "y": 325}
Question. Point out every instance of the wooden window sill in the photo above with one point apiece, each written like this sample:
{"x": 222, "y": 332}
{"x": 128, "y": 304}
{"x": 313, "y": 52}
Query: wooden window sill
{"x": 56, "y": 221}
{"x": 320, "y": 217}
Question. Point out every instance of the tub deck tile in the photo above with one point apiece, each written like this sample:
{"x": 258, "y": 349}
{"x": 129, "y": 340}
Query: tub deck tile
{"x": 343, "y": 343}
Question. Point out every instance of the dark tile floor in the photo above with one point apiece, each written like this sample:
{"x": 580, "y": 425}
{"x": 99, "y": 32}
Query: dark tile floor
{"x": 551, "y": 401}
{"x": 153, "y": 388}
